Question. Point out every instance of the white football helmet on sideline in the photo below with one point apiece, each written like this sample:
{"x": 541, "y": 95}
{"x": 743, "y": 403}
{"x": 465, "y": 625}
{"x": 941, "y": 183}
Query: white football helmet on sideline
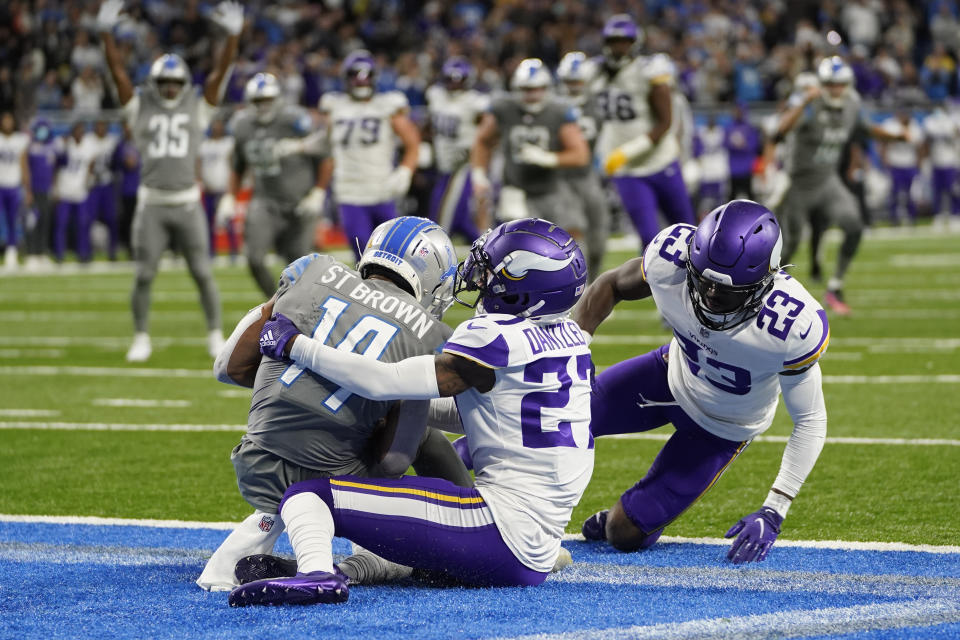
{"x": 419, "y": 251}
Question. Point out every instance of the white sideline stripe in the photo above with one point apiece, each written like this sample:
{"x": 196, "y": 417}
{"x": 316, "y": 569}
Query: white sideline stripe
{"x": 923, "y": 442}
{"x": 791, "y": 624}
{"x": 235, "y": 393}
{"x": 90, "y": 554}
{"x": 125, "y": 372}
{"x": 840, "y": 545}
{"x": 141, "y": 403}
{"x": 109, "y": 426}
{"x": 114, "y": 342}
{"x": 632, "y": 315}
{"x": 29, "y": 413}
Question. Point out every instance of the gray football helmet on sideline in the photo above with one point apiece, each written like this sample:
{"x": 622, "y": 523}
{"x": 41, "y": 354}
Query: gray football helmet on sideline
{"x": 419, "y": 251}
{"x": 169, "y": 69}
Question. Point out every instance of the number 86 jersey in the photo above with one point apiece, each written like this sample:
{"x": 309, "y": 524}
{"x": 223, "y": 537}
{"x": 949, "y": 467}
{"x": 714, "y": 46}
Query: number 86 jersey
{"x": 728, "y": 381}
{"x": 529, "y": 436}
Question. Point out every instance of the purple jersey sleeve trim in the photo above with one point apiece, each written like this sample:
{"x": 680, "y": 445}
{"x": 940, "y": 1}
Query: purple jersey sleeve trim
{"x": 813, "y": 354}
{"x": 495, "y": 354}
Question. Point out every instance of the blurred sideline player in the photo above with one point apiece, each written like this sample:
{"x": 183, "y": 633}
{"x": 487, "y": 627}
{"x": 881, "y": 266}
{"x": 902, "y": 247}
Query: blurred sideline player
{"x": 714, "y": 165}
{"x": 42, "y": 159}
{"x": 942, "y": 135}
{"x": 743, "y": 333}
{"x": 575, "y": 73}
{"x": 634, "y": 94}
{"x": 521, "y": 373}
{"x": 820, "y": 121}
{"x": 303, "y": 426}
{"x": 102, "y": 203}
{"x": 361, "y": 125}
{"x": 273, "y": 139}
{"x": 14, "y": 182}
{"x": 455, "y": 110}
{"x": 169, "y": 119}
{"x": 539, "y": 135}
{"x": 902, "y": 159}
{"x": 216, "y": 157}
{"x": 75, "y": 156}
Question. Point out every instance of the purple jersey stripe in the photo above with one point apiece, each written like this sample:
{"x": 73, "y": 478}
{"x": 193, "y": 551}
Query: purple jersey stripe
{"x": 510, "y": 321}
{"x": 393, "y": 518}
{"x": 446, "y": 496}
{"x": 495, "y": 354}
{"x": 815, "y": 352}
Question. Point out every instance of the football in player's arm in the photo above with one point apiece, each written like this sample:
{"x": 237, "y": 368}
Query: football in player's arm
{"x": 744, "y": 332}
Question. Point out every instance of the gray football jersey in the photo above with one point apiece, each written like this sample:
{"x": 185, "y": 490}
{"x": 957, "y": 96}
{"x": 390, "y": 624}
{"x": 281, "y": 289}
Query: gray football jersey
{"x": 816, "y": 144}
{"x": 308, "y": 420}
{"x": 518, "y": 127}
{"x": 168, "y": 139}
{"x": 282, "y": 180}
{"x": 589, "y": 119}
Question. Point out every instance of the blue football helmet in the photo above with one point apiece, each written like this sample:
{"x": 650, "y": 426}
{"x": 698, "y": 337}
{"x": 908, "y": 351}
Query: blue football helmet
{"x": 732, "y": 259}
{"x": 527, "y": 268}
{"x": 419, "y": 251}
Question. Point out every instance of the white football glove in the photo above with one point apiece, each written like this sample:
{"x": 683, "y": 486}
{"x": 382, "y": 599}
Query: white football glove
{"x": 287, "y": 147}
{"x": 398, "y": 182}
{"x": 226, "y": 209}
{"x": 532, "y": 154}
{"x": 109, "y": 14}
{"x": 229, "y": 15}
{"x": 311, "y": 205}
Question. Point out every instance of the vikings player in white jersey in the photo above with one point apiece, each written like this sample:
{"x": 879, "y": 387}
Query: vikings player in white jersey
{"x": 902, "y": 159}
{"x": 942, "y": 135}
{"x": 520, "y": 372}
{"x": 743, "y": 333}
{"x": 455, "y": 110}
{"x": 637, "y": 146}
{"x": 14, "y": 176}
{"x": 363, "y": 126}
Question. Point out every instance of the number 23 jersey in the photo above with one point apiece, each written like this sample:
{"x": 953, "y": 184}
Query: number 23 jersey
{"x": 728, "y": 381}
{"x": 529, "y": 436}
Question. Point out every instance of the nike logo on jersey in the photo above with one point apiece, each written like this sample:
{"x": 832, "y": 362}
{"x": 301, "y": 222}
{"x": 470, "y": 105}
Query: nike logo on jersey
{"x": 470, "y": 325}
{"x": 803, "y": 336}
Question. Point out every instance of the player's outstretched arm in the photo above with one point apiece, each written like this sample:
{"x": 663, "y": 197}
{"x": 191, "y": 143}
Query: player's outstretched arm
{"x": 418, "y": 378}
{"x": 795, "y": 107}
{"x": 229, "y": 15}
{"x": 625, "y": 282}
{"x": 480, "y": 152}
{"x": 107, "y": 18}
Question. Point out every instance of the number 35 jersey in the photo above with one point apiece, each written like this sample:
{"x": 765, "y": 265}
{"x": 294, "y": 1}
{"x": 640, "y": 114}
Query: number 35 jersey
{"x": 303, "y": 417}
{"x": 529, "y": 436}
{"x": 363, "y": 144}
{"x": 728, "y": 381}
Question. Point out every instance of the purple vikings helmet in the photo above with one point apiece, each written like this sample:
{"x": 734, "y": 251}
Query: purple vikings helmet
{"x": 731, "y": 261}
{"x": 359, "y": 74}
{"x": 620, "y": 27}
{"x": 457, "y": 74}
{"x": 528, "y": 268}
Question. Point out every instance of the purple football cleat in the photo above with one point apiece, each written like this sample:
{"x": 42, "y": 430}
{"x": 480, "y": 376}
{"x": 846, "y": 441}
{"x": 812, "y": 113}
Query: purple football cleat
{"x": 595, "y": 527}
{"x": 316, "y": 587}
{"x": 262, "y": 567}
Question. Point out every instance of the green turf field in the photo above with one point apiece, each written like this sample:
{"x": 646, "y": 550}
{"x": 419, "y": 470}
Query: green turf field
{"x": 85, "y": 433}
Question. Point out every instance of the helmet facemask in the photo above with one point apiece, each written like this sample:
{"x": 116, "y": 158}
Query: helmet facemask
{"x": 720, "y": 306}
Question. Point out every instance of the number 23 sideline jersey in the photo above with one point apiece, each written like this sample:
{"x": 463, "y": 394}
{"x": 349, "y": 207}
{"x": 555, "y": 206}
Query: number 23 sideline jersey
{"x": 529, "y": 436}
{"x": 728, "y": 381}
{"x": 363, "y": 144}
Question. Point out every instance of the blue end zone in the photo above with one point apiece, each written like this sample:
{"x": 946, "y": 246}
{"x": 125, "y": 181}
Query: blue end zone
{"x": 127, "y": 581}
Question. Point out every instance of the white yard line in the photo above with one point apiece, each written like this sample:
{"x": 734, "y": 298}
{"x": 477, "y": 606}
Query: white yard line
{"x": 141, "y": 403}
{"x": 17, "y": 354}
{"x": 118, "y": 426}
{"x": 28, "y": 413}
{"x": 913, "y": 442}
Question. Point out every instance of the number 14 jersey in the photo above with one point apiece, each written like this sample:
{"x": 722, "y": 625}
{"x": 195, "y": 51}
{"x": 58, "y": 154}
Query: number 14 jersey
{"x": 729, "y": 381}
{"x": 529, "y": 436}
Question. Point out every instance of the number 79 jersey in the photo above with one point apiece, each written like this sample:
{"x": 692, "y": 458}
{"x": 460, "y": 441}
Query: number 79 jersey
{"x": 728, "y": 381}
{"x": 529, "y": 436}
{"x": 363, "y": 144}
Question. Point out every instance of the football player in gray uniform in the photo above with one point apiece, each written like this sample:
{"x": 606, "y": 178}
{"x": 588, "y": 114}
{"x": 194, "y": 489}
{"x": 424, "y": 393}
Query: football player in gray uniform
{"x": 275, "y": 141}
{"x": 303, "y": 426}
{"x": 540, "y": 135}
{"x": 168, "y": 119}
{"x": 820, "y": 121}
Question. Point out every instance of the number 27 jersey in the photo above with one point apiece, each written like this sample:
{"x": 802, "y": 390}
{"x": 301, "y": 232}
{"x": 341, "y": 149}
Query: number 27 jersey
{"x": 529, "y": 436}
{"x": 728, "y": 381}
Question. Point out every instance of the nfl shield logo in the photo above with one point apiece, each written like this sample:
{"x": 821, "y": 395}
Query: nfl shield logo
{"x": 266, "y": 523}
{"x": 704, "y": 333}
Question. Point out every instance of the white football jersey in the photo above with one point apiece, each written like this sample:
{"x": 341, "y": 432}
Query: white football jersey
{"x": 530, "y": 435}
{"x": 453, "y": 118}
{"x": 623, "y": 101}
{"x": 73, "y": 178}
{"x": 12, "y": 148}
{"x": 903, "y": 155}
{"x": 102, "y": 162}
{"x": 363, "y": 144}
{"x": 714, "y": 163}
{"x": 728, "y": 381}
{"x": 942, "y": 132}
{"x": 215, "y": 154}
